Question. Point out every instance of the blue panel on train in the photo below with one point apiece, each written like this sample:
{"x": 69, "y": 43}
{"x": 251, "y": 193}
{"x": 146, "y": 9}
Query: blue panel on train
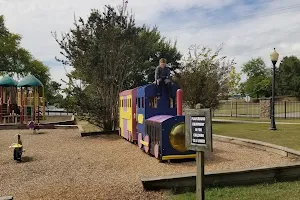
{"x": 146, "y": 95}
{"x": 140, "y": 106}
{"x": 168, "y": 126}
{"x": 151, "y": 90}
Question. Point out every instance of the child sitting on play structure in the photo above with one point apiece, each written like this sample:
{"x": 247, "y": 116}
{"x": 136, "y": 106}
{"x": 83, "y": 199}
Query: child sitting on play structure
{"x": 162, "y": 77}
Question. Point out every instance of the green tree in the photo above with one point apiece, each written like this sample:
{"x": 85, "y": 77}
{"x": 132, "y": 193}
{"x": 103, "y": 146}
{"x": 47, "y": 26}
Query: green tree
{"x": 109, "y": 54}
{"x": 234, "y": 81}
{"x": 73, "y": 100}
{"x": 242, "y": 89}
{"x": 13, "y": 58}
{"x": 288, "y": 76}
{"x": 103, "y": 52}
{"x": 255, "y": 67}
{"x": 39, "y": 70}
{"x": 152, "y": 46}
{"x": 70, "y": 104}
{"x": 54, "y": 97}
{"x": 204, "y": 78}
{"x": 259, "y": 79}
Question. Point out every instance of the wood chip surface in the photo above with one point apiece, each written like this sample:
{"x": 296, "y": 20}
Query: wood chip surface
{"x": 60, "y": 164}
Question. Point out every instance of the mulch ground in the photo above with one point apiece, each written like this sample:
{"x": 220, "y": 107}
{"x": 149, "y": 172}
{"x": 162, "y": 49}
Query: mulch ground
{"x": 59, "y": 164}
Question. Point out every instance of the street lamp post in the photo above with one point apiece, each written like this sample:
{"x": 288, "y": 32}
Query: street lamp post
{"x": 274, "y": 58}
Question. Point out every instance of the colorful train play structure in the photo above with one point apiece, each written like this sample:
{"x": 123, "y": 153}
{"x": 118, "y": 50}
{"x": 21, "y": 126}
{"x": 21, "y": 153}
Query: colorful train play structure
{"x": 21, "y": 102}
{"x": 157, "y": 126}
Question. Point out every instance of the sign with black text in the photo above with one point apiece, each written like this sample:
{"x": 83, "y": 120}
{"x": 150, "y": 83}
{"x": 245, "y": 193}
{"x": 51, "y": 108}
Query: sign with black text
{"x": 198, "y": 130}
{"x": 198, "y": 137}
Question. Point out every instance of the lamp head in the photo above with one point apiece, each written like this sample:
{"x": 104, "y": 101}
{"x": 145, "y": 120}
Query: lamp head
{"x": 274, "y": 56}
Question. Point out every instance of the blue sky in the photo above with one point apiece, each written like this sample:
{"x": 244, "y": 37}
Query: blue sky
{"x": 247, "y": 28}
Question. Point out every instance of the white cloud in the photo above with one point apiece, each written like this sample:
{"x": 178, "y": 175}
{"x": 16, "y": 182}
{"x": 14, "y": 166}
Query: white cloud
{"x": 256, "y": 36}
{"x": 58, "y": 72}
{"x": 249, "y": 38}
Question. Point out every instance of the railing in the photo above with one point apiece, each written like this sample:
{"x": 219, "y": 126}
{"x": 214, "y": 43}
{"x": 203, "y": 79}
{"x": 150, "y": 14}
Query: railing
{"x": 238, "y": 109}
{"x": 57, "y": 113}
{"x": 287, "y": 109}
{"x": 283, "y": 109}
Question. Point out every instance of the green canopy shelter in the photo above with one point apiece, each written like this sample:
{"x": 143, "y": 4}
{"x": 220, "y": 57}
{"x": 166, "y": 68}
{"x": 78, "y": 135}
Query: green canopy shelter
{"x": 8, "y": 96}
{"x": 30, "y": 99}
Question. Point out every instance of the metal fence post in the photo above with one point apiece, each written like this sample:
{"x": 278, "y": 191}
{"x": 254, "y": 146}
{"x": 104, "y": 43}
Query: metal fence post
{"x": 231, "y": 107}
{"x": 284, "y": 109}
{"x": 236, "y": 109}
{"x": 270, "y": 113}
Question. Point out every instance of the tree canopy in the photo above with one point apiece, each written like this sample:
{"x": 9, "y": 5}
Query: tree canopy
{"x": 13, "y": 58}
{"x": 234, "y": 82}
{"x": 288, "y": 77}
{"x": 205, "y": 77}
{"x": 110, "y": 53}
{"x": 259, "y": 79}
{"x": 152, "y": 46}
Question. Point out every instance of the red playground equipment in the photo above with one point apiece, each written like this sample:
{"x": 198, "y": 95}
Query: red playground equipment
{"x": 21, "y": 102}
{"x": 8, "y": 98}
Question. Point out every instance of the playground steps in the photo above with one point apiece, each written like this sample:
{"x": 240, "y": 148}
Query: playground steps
{"x": 4, "y": 109}
{"x": 6, "y": 116}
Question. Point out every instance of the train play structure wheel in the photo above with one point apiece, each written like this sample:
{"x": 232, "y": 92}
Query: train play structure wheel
{"x": 147, "y": 139}
{"x": 128, "y": 136}
{"x": 139, "y": 140}
{"x": 156, "y": 151}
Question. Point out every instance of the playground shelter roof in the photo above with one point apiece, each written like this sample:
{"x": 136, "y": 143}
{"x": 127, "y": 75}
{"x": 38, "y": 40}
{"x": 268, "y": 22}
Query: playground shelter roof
{"x": 30, "y": 81}
{"x": 8, "y": 81}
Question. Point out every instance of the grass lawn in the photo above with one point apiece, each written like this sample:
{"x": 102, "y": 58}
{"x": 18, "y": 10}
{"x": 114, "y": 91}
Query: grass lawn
{"x": 87, "y": 126}
{"x": 276, "y": 191}
{"x": 286, "y": 135}
{"x": 295, "y": 120}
